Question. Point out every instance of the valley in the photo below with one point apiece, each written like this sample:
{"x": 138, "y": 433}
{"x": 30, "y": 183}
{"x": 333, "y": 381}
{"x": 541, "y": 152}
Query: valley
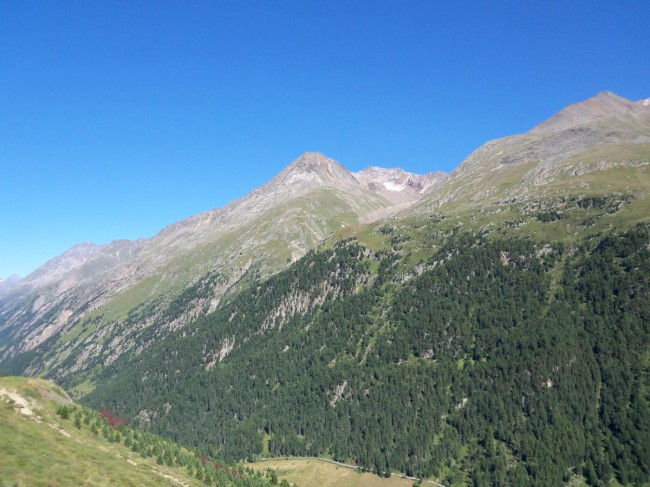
{"x": 485, "y": 327}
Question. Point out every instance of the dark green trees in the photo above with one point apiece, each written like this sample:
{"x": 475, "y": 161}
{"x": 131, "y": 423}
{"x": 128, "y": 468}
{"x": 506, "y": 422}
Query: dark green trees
{"x": 499, "y": 362}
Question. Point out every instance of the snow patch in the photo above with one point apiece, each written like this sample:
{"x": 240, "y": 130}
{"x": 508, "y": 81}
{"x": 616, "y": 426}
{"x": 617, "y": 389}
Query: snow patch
{"x": 390, "y": 186}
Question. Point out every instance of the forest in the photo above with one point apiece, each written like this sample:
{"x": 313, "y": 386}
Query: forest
{"x": 497, "y": 361}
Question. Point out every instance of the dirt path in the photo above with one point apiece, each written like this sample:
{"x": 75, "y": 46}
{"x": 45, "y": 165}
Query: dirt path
{"x": 21, "y": 403}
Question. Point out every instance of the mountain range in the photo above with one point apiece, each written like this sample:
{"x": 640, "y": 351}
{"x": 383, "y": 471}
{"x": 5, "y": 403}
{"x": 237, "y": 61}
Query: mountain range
{"x": 422, "y": 301}
{"x": 95, "y": 288}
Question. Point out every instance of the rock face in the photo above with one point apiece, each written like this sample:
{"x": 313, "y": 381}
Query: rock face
{"x": 99, "y": 288}
{"x": 398, "y": 185}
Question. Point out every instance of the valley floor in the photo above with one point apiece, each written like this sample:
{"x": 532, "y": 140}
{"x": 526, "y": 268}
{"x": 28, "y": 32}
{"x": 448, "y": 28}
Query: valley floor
{"x": 317, "y": 472}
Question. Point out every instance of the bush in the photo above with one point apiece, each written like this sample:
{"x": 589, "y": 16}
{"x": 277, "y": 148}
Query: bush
{"x": 63, "y": 411}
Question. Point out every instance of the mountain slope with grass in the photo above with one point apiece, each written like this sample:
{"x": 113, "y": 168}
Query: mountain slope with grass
{"x": 48, "y": 440}
{"x": 601, "y": 145}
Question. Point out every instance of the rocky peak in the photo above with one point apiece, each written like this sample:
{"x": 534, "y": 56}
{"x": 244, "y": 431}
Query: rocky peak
{"x": 604, "y": 105}
{"x": 69, "y": 260}
{"x": 82, "y": 259}
{"x": 396, "y": 179}
{"x": 14, "y": 277}
{"x": 314, "y": 167}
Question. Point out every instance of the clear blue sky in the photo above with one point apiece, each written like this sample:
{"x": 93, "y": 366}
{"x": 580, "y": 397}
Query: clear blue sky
{"x": 118, "y": 118}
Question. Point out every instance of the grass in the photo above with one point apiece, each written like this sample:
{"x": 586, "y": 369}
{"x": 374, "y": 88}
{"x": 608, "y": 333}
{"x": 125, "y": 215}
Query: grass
{"x": 42, "y": 449}
{"x": 266, "y": 452}
{"x": 83, "y": 388}
{"x": 121, "y": 304}
{"x": 314, "y": 472}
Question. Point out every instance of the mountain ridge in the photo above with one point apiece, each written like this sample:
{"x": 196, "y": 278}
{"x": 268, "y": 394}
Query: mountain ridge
{"x": 276, "y": 224}
{"x": 254, "y": 235}
{"x": 605, "y": 104}
{"x": 564, "y": 148}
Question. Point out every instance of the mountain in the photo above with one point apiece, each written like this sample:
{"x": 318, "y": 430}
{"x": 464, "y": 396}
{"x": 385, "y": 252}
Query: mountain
{"x": 401, "y": 187}
{"x": 494, "y": 332}
{"x": 398, "y": 184}
{"x": 85, "y": 308}
{"x": 7, "y": 283}
{"x": 575, "y": 151}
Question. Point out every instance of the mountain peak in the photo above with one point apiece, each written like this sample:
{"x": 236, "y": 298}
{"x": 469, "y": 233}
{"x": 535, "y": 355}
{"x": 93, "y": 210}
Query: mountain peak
{"x": 603, "y": 105}
{"x": 7, "y": 283}
{"x": 608, "y": 95}
{"x": 314, "y": 162}
{"x": 312, "y": 159}
{"x": 316, "y": 168}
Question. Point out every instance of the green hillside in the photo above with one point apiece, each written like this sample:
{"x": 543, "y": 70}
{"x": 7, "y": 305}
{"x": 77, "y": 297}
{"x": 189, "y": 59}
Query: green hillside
{"x": 316, "y": 472}
{"x": 497, "y": 359}
{"x": 46, "y": 440}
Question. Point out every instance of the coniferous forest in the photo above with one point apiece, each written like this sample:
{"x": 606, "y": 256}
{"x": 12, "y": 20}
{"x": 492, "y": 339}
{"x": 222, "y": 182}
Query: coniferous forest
{"x": 497, "y": 360}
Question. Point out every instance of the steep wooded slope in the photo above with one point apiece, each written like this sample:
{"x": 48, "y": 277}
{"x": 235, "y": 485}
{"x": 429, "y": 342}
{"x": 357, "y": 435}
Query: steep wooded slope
{"x": 502, "y": 360}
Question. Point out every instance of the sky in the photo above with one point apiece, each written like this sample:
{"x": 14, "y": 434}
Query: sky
{"x": 118, "y": 118}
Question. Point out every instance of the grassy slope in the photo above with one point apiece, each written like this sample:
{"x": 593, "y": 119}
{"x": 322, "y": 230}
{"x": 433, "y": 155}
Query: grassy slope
{"x": 41, "y": 449}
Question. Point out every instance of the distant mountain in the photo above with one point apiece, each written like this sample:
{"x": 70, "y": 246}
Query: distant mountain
{"x": 9, "y": 282}
{"x": 398, "y": 185}
{"x": 96, "y": 302}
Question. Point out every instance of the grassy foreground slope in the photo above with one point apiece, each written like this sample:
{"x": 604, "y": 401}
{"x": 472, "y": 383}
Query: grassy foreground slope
{"x": 41, "y": 446}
